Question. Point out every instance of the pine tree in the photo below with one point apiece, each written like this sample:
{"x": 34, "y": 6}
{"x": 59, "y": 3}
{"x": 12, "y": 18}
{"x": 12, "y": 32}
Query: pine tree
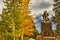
{"x": 57, "y": 15}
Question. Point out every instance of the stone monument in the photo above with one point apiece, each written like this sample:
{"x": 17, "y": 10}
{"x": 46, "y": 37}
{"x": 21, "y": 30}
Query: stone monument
{"x": 46, "y": 26}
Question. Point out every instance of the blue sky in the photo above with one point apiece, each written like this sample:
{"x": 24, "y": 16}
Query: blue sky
{"x": 38, "y": 21}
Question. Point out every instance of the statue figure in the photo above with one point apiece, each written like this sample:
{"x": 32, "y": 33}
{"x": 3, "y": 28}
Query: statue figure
{"x": 45, "y": 16}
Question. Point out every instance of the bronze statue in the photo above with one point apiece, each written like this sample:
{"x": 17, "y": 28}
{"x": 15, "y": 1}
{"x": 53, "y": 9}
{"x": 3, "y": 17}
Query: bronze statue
{"x": 45, "y": 15}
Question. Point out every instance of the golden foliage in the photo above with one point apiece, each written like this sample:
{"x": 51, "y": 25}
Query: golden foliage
{"x": 28, "y": 26}
{"x": 25, "y": 1}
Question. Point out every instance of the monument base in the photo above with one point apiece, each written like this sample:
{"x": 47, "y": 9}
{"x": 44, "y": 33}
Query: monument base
{"x": 49, "y": 38}
{"x": 46, "y": 28}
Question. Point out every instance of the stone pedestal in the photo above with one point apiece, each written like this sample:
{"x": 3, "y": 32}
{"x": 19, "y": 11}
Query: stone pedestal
{"x": 58, "y": 37}
{"x": 46, "y": 28}
{"x": 49, "y": 38}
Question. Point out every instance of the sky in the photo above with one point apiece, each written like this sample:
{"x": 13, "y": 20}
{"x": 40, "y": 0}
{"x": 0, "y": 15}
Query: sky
{"x": 1, "y": 6}
{"x": 37, "y": 7}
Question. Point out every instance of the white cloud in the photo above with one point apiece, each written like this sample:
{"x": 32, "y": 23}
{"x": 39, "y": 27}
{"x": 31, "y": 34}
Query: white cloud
{"x": 38, "y": 6}
{"x": 1, "y": 6}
